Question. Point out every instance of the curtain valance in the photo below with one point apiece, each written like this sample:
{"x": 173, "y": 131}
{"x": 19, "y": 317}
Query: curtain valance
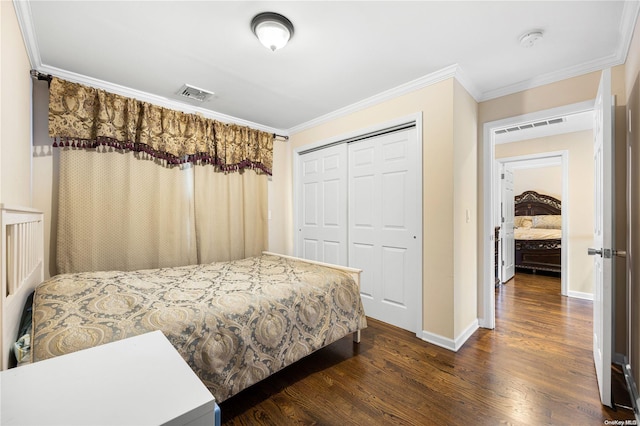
{"x": 85, "y": 117}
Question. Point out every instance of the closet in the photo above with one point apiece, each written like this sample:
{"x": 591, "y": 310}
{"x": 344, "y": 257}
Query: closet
{"x": 359, "y": 204}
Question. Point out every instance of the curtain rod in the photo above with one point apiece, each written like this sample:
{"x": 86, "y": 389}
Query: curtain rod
{"x": 41, "y": 76}
{"x": 49, "y": 77}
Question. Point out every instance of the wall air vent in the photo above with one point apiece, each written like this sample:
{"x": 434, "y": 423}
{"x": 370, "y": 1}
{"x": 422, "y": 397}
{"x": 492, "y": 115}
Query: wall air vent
{"x": 531, "y": 125}
{"x": 195, "y": 93}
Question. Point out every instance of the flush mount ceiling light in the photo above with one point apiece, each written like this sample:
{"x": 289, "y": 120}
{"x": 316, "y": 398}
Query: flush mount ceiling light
{"x": 530, "y": 38}
{"x": 272, "y": 29}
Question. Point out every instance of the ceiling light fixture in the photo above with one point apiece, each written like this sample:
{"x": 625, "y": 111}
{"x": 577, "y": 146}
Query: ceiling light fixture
{"x": 530, "y": 38}
{"x": 272, "y": 29}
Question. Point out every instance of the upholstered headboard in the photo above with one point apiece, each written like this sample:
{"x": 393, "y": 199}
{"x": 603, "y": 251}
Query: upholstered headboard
{"x": 531, "y": 203}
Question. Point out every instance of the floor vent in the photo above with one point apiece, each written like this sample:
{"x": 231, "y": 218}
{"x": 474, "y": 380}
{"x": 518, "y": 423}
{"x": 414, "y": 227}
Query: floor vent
{"x": 195, "y": 93}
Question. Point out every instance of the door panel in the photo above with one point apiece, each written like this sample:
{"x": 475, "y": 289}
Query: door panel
{"x": 603, "y": 236}
{"x": 322, "y": 218}
{"x": 384, "y": 222}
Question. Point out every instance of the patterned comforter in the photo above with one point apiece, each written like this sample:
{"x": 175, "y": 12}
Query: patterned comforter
{"x": 235, "y": 323}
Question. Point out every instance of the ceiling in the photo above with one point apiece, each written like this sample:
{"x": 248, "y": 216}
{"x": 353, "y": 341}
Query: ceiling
{"x": 342, "y": 55}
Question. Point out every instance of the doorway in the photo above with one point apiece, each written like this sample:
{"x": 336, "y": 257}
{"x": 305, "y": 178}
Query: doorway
{"x": 544, "y": 162}
{"x": 490, "y": 193}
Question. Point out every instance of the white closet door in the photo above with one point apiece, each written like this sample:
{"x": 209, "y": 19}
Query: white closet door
{"x": 384, "y": 226}
{"x": 322, "y": 205}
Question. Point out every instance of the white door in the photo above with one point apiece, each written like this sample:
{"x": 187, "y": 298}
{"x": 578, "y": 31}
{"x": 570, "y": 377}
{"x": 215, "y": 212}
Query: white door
{"x": 322, "y": 205}
{"x": 508, "y": 211}
{"x": 385, "y": 226}
{"x": 603, "y": 236}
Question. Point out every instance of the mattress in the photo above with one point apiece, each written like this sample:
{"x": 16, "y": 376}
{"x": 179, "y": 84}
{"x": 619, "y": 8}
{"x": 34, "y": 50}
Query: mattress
{"x": 235, "y": 323}
{"x": 537, "y": 234}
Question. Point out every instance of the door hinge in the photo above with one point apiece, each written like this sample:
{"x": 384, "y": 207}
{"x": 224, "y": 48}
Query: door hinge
{"x": 502, "y": 219}
{"x": 503, "y": 263}
{"x": 501, "y": 175}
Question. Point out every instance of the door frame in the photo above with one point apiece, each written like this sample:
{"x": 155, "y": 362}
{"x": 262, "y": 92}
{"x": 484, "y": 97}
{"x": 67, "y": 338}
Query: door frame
{"x": 415, "y": 119}
{"x": 546, "y": 159}
{"x": 487, "y": 293}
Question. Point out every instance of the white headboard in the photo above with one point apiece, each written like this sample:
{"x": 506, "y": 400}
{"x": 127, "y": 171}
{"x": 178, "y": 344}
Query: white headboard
{"x": 22, "y": 269}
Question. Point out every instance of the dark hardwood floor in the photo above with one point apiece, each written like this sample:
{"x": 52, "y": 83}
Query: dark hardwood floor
{"x": 535, "y": 368}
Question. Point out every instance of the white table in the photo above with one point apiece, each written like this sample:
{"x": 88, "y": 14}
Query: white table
{"x": 137, "y": 381}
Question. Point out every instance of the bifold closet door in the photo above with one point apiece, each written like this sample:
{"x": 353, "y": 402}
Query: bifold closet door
{"x": 322, "y": 205}
{"x": 384, "y": 225}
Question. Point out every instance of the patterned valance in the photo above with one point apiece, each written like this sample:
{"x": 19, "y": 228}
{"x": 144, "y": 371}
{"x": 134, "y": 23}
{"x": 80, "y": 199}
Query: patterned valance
{"x": 85, "y": 117}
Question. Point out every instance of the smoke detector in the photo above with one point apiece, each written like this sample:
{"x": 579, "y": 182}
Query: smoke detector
{"x": 530, "y": 38}
{"x": 195, "y": 93}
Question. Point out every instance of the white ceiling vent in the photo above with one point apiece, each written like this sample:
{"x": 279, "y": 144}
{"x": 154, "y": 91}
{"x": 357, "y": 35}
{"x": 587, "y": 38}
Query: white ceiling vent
{"x": 531, "y": 125}
{"x": 192, "y": 92}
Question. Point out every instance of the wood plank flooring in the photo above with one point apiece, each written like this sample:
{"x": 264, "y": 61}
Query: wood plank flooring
{"x": 535, "y": 368}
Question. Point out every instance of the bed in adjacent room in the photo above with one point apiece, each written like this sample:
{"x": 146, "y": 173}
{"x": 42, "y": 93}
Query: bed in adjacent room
{"x": 235, "y": 322}
{"x": 538, "y": 232}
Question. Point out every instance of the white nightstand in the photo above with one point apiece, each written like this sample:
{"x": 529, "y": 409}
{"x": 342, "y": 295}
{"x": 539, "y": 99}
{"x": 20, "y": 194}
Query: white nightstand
{"x": 137, "y": 381}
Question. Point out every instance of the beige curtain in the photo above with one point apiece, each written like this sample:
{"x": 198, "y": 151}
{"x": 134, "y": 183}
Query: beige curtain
{"x": 117, "y": 212}
{"x": 231, "y": 214}
{"x": 142, "y": 186}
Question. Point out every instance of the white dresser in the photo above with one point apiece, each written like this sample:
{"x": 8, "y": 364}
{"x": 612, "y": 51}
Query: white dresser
{"x": 137, "y": 381}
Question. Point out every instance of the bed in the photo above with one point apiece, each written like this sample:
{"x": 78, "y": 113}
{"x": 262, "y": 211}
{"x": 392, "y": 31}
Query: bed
{"x": 235, "y": 323}
{"x": 538, "y": 232}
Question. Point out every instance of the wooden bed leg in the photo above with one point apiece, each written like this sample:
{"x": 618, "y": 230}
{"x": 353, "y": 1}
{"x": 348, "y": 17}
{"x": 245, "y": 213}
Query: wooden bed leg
{"x": 356, "y": 337}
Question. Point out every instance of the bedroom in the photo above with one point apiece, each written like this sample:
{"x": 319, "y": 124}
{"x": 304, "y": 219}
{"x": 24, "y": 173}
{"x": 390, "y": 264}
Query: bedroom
{"x": 453, "y": 285}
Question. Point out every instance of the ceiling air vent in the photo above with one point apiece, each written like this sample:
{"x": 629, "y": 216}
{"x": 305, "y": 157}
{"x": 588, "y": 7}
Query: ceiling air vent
{"x": 192, "y": 92}
{"x": 531, "y": 125}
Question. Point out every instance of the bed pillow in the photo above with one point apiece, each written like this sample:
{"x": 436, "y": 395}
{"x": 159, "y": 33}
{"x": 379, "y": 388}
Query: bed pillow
{"x": 22, "y": 345}
{"x": 523, "y": 221}
{"x": 547, "y": 221}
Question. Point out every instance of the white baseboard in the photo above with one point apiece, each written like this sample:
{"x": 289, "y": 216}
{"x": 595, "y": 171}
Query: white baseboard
{"x": 447, "y": 343}
{"x": 581, "y": 295}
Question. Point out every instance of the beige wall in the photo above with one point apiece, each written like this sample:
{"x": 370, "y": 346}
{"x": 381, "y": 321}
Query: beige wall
{"x": 579, "y": 207}
{"x": 15, "y": 112}
{"x": 544, "y": 180}
{"x": 465, "y": 203}
{"x": 449, "y": 158}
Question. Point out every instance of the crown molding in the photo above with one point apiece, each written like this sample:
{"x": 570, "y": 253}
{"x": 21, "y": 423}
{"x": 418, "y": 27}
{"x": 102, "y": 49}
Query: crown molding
{"x": 630, "y": 14}
{"x": 452, "y": 71}
{"x": 25, "y": 22}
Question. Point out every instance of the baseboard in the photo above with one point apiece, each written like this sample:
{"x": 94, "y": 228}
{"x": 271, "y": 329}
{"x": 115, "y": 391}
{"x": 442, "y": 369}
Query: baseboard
{"x": 581, "y": 295}
{"x": 447, "y": 343}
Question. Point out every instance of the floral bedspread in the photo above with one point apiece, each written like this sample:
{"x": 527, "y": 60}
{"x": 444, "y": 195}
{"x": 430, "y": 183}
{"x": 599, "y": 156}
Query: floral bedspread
{"x": 235, "y": 323}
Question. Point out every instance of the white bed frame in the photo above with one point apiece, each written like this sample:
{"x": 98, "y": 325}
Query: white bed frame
{"x": 22, "y": 269}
